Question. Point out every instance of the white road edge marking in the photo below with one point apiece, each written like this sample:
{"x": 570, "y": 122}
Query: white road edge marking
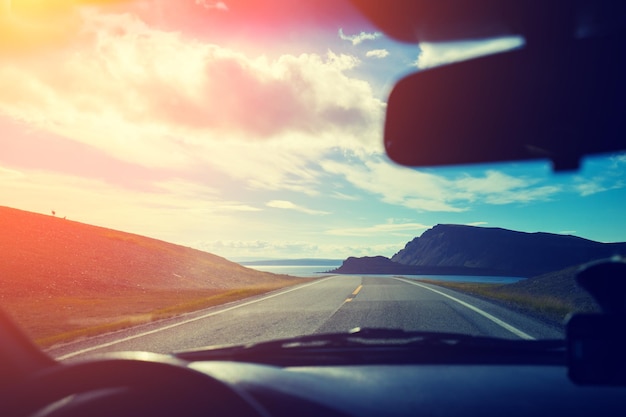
{"x": 496, "y": 320}
{"x": 180, "y": 323}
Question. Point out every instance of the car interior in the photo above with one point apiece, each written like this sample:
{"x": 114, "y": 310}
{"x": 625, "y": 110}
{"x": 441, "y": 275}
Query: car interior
{"x": 540, "y": 101}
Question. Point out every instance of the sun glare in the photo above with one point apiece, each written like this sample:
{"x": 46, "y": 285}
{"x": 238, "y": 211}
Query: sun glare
{"x": 28, "y": 24}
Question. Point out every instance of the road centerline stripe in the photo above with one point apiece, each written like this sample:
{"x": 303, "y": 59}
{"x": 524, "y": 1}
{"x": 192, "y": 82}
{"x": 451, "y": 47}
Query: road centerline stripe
{"x": 494, "y": 319}
{"x": 180, "y": 323}
{"x": 355, "y": 292}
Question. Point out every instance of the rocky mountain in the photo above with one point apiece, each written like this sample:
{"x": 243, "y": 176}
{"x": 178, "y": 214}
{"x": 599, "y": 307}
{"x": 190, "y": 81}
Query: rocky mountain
{"x": 385, "y": 266}
{"x": 512, "y": 252}
{"x": 373, "y": 265}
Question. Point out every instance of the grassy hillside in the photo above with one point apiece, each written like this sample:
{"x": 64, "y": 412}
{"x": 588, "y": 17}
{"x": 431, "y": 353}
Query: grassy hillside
{"x": 61, "y": 279}
{"x": 552, "y": 296}
{"x": 560, "y": 285}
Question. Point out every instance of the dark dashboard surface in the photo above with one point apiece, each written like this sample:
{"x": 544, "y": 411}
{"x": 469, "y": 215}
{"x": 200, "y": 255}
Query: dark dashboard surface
{"x": 408, "y": 390}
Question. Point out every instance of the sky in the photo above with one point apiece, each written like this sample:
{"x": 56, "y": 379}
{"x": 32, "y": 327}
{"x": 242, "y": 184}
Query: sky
{"x": 252, "y": 130}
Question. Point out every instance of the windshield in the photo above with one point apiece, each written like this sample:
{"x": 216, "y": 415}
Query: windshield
{"x": 176, "y": 174}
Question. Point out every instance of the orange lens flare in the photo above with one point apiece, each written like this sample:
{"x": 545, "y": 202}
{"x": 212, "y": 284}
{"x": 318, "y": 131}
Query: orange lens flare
{"x": 32, "y": 24}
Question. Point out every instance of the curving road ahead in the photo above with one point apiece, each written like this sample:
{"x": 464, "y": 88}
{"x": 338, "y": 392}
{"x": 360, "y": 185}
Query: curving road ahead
{"x": 334, "y": 304}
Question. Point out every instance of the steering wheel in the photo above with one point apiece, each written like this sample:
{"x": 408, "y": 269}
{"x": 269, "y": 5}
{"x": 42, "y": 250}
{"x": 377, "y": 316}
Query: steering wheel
{"x": 128, "y": 385}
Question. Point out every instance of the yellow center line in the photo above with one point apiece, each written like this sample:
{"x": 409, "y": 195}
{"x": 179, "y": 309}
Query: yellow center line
{"x": 354, "y": 293}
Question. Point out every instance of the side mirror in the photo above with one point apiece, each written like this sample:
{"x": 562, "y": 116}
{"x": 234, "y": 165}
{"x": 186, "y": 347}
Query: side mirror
{"x": 519, "y": 105}
{"x": 596, "y": 343}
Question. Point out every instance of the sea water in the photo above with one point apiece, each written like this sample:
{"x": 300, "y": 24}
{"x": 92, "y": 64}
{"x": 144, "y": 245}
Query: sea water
{"x": 319, "y": 270}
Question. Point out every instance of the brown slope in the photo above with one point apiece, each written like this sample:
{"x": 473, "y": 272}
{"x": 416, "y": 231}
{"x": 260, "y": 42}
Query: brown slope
{"x": 44, "y": 255}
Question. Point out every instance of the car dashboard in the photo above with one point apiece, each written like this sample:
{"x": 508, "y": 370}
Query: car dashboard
{"x": 417, "y": 389}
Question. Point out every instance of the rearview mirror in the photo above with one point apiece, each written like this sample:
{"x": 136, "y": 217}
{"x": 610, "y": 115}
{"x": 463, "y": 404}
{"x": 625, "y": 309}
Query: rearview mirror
{"x": 519, "y": 105}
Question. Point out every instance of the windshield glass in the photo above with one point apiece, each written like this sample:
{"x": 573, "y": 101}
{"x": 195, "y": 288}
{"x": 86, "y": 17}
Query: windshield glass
{"x": 176, "y": 174}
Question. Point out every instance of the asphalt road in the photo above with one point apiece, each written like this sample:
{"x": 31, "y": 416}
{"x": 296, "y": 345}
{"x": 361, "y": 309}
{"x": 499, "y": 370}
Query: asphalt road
{"x": 335, "y": 304}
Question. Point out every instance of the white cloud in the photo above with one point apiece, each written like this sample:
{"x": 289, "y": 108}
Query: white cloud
{"x": 435, "y": 54}
{"x": 186, "y": 189}
{"x": 241, "y": 249}
{"x": 220, "y": 5}
{"x": 360, "y": 37}
{"x": 398, "y": 229}
{"x": 395, "y": 185}
{"x": 377, "y": 53}
{"x": 343, "y": 196}
{"x": 173, "y": 210}
{"x": 619, "y": 159}
{"x": 499, "y": 188}
{"x": 158, "y": 99}
{"x": 587, "y": 187}
{"x": 492, "y": 182}
{"x": 429, "y": 192}
{"x": 288, "y": 205}
{"x": 476, "y": 223}
{"x": 9, "y": 174}
{"x": 524, "y": 194}
{"x": 610, "y": 175}
{"x": 285, "y": 249}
